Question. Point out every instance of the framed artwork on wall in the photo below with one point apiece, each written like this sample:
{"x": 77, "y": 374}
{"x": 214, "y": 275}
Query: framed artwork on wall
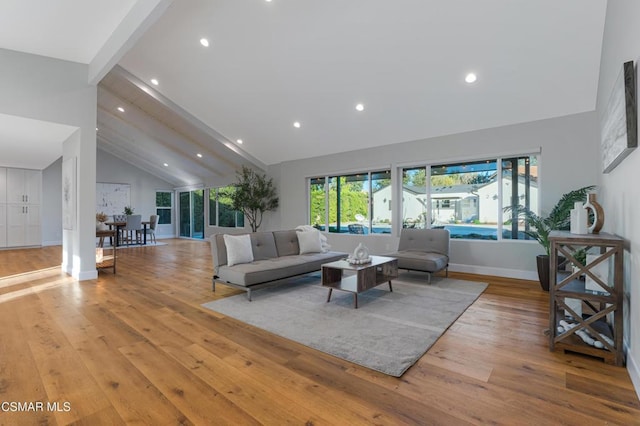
{"x": 619, "y": 127}
{"x": 69, "y": 193}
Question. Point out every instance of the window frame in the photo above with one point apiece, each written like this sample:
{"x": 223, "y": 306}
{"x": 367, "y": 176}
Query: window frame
{"x": 370, "y": 175}
{"x": 499, "y": 160}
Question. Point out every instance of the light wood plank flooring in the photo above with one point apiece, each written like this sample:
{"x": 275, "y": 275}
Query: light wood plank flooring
{"x": 137, "y": 348}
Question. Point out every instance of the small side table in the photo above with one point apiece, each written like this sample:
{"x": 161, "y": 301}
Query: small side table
{"x": 603, "y": 301}
{"x": 108, "y": 260}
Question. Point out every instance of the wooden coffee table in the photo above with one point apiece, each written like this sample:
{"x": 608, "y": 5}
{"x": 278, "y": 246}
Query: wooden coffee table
{"x": 341, "y": 275}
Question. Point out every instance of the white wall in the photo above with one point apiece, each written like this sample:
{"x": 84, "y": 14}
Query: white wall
{"x": 110, "y": 169}
{"x": 569, "y": 160}
{"x": 52, "y": 204}
{"x": 620, "y": 193}
{"x": 57, "y": 91}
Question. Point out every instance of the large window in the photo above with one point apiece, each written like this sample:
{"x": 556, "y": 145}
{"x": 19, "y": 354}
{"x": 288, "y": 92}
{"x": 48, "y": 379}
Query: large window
{"x": 164, "y": 206}
{"x": 468, "y": 198}
{"x": 220, "y": 211}
{"x": 357, "y": 203}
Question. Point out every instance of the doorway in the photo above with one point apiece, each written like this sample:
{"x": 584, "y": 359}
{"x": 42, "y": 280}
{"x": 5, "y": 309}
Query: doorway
{"x": 191, "y": 208}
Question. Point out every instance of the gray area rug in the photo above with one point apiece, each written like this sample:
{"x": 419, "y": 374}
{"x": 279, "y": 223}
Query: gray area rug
{"x": 388, "y": 332}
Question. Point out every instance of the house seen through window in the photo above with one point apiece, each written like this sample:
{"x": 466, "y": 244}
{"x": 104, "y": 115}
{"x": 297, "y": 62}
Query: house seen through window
{"x": 467, "y": 198}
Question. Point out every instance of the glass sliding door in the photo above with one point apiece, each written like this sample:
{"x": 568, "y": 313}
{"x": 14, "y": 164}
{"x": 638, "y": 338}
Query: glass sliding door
{"x": 192, "y": 213}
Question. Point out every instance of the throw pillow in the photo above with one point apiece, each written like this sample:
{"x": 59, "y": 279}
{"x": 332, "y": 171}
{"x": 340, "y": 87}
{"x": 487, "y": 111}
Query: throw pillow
{"x": 238, "y": 249}
{"x": 309, "y": 242}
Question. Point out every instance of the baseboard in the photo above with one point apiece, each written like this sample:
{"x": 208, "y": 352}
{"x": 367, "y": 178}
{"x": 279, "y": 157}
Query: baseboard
{"x": 85, "y": 275}
{"x": 497, "y": 272}
{"x": 633, "y": 367}
{"x": 51, "y": 243}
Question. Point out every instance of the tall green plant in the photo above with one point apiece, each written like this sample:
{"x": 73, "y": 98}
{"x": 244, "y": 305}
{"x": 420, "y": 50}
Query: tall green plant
{"x": 253, "y": 194}
{"x": 559, "y": 218}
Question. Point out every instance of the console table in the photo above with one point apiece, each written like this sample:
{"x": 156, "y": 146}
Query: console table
{"x": 597, "y": 287}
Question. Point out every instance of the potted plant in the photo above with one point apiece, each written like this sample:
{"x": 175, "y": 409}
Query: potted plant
{"x": 101, "y": 218}
{"x": 253, "y": 194}
{"x": 558, "y": 219}
{"x": 128, "y": 210}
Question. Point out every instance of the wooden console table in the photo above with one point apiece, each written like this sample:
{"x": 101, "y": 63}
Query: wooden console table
{"x": 601, "y": 299}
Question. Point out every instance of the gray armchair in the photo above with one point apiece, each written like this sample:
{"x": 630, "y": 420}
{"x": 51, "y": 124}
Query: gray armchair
{"x": 424, "y": 250}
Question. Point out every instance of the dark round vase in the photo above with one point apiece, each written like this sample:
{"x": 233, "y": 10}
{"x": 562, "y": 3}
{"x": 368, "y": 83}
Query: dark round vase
{"x": 542, "y": 261}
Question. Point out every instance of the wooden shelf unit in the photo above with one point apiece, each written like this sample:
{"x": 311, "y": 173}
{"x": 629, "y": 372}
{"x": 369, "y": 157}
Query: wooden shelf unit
{"x": 603, "y": 299}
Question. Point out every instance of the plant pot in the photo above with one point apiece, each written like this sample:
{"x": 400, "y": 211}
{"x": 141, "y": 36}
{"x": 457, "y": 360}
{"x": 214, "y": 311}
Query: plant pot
{"x": 542, "y": 261}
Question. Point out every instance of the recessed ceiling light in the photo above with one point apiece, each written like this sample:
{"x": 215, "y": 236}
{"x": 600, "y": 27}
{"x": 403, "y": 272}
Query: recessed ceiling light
{"x": 120, "y": 109}
{"x": 470, "y": 78}
{"x": 204, "y": 42}
{"x": 154, "y": 81}
{"x": 166, "y": 165}
{"x": 359, "y": 107}
{"x": 296, "y": 124}
{"x": 199, "y": 155}
{"x": 268, "y": 1}
{"x": 96, "y": 129}
{"x": 239, "y": 141}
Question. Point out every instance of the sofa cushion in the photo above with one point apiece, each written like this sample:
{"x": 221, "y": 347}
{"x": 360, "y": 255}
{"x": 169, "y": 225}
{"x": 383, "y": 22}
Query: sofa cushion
{"x": 286, "y": 242}
{"x": 420, "y": 260}
{"x": 238, "y": 249}
{"x": 263, "y": 245}
{"x": 261, "y": 271}
{"x": 309, "y": 242}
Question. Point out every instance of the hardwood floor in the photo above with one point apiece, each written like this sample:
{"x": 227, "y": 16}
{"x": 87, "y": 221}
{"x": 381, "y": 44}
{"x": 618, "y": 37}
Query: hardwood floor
{"x": 136, "y": 347}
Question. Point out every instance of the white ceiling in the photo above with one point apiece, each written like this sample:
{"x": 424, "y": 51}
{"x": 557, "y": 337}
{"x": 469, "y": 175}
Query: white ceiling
{"x": 272, "y": 63}
{"x": 64, "y": 29}
{"x": 31, "y": 144}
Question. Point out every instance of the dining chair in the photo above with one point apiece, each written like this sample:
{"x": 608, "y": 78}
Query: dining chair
{"x": 133, "y": 228}
{"x": 151, "y": 230}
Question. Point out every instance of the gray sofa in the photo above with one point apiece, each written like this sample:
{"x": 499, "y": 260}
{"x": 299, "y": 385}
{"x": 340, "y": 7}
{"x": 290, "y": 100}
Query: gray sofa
{"x": 276, "y": 255}
{"x": 424, "y": 250}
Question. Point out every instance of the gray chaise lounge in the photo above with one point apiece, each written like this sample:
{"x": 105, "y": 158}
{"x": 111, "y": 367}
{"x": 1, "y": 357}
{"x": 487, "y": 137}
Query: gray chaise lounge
{"x": 276, "y": 255}
{"x": 424, "y": 250}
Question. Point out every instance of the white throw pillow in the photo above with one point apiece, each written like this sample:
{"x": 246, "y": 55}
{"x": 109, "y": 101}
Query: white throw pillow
{"x": 309, "y": 242}
{"x": 238, "y": 249}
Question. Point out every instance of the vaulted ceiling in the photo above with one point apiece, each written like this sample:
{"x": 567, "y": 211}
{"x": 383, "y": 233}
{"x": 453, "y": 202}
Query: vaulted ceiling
{"x": 269, "y": 64}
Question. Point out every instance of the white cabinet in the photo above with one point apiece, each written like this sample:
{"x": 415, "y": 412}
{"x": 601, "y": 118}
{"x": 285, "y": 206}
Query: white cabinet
{"x": 23, "y": 186}
{"x": 23, "y": 224}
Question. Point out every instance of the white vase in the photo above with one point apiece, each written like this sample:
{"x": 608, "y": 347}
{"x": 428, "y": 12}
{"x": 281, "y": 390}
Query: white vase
{"x": 101, "y": 226}
{"x": 578, "y": 219}
{"x": 361, "y": 252}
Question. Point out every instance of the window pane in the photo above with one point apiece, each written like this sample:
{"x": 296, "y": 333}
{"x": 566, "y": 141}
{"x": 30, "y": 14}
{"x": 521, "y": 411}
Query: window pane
{"x": 226, "y": 214}
{"x": 164, "y": 216}
{"x": 381, "y": 206}
{"x": 354, "y": 203}
{"x": 519, "y": 187}
{"x": 414, "y": 198}
{"x": 239, "y": 219}
{"x": 334, "y": 184}
{"x": 185, "y": 215}
{"x": 317, "y": 210}
{"x": 462, "y": 199}
{"x": 197, "y": 209}
{"x": 163, "y": 199}
{"x": 213, "y": 210}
